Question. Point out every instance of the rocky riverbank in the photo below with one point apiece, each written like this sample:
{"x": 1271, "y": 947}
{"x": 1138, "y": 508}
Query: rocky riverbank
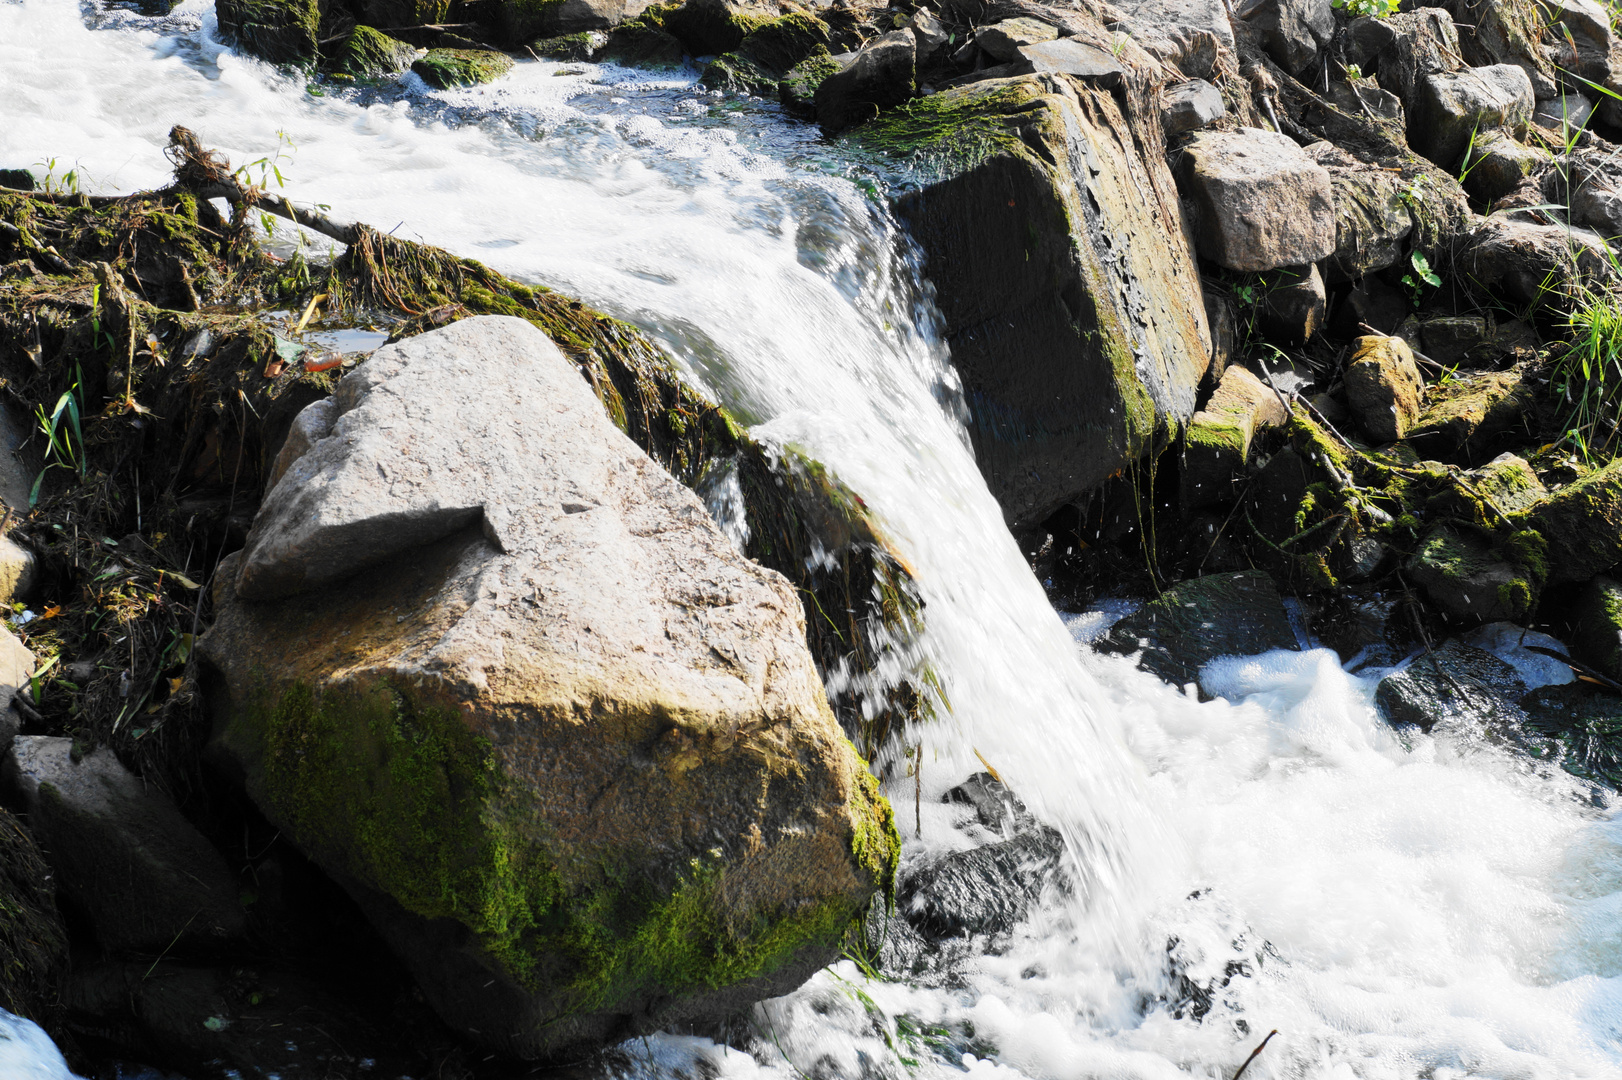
{"x": 384, "y": 661}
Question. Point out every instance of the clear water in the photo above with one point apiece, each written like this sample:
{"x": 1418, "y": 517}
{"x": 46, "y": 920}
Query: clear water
{"x": 1433, "y": 907}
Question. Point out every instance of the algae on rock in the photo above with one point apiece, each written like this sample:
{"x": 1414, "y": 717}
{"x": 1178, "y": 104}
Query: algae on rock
{"x": 281, "y": 31}
{"x": 447, "y": 69}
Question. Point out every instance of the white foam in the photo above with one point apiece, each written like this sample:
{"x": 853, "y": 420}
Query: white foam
{"x": 27, "y": 1053}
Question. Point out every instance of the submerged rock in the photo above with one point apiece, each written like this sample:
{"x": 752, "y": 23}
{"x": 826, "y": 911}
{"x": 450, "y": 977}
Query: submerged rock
{"x": 1194, "y": 622}
{"x": 502, "y": 676}
{"x": 123, "y": 855}
{"x": 1583, "y": 726}
{"x": 985, "y": 890}
{"x": 1071, "y": 301}
{"x": 446, "y": 69}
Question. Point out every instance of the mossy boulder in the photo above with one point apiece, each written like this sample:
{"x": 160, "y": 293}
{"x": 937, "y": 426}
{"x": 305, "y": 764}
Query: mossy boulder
{"x": 281, "y": 31}
{"x": 1467, "y": 415}
{"x": 446, "y": 69}
{"x": 709, "y": 27}
{"x": 1194, "y": 622}
{"x": 1070, "y": 298}
{"x": 1581, "y": 524}
{"x": 570, "y": 47}
{"x": 797, "y": 91}
{"x": 1472, "y": 580}
{"x": 403, "y": 13}
{"x": 1595, "y": 617}
{"x": 767, "y": 54}
{"x": 502, "y": 676}
{"x": 370, "y": 54}
{"x": 638, "y": 44}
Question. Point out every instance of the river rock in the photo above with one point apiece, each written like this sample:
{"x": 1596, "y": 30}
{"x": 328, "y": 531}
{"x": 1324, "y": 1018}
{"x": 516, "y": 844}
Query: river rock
{"x": 1449, "y": 108}
{"x": 1262, "y": 202}
{"x": 1465, "y": 415}
{"x": 1507, "y": 483}
{"x": 524, "y": 20}
{"x": 370, "y": 54}
{"x": 767, "y": 54}
{"x": 1454, "y": 682}
{"x": 1194, "y": 622}
{"x": 1002, "y": 41}
{"x": 1595, "y": 617}
{"x": 446, "y": 69}
{"x": 929, "y": 34}
{"x": 1567, "y": 113}
{"x": 1471, "y": 581}
{"x": 1497, "y": 164}
{"x": 1373, "y": 218}
{"x": 123, "y": 855}
{"x": 1591, "y": 190}
{"x": 1191, "y": 105}
{"x": 1584, "y": 726}
{"x": 281, "y": 31}
{"x": 401, "y": 13}
{"x": 1070, "y": 299}
{"x": 643, "y": 46}
{"x": 1069, "y": 56}
{"x": 501, "y": 676}
{"x": 985, "y": 890}
{"x": 1174, "y": 20}
{"x": 1423, "y": 42}
{"x": 1293, "y": 307}
{"x": 1216, "y": 445}
{"x": 1292, "y": 31}
{"x": 881, "y": 75}
{"x": 1383, "y": 386}
{"x": 1518, "y": 259}
{"x": 797, "y": 91}
{"x": 1582, "y": 525}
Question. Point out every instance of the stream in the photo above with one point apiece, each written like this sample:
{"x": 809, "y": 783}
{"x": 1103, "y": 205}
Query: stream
{"x": 1395, "y": 905}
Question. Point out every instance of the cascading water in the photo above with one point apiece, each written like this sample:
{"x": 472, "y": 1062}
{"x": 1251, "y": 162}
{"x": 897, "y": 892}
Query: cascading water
{"x": 1431, "y": 907}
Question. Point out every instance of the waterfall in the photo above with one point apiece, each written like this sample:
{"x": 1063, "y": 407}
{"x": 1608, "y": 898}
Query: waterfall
{"x": 1429, "y": 906}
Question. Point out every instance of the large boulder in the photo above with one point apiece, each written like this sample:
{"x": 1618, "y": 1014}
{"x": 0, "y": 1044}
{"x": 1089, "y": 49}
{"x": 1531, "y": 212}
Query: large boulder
{"x": 1531, "y": 263}
{"x": 1451, "y": 108}
{"x": 1262, "y": 202}
{"x": 521, "y": 20}
{"x": 1383, "y": 387}
{"x": 141, "y": 875}
{"x": 1373, "y": 215}
{"x": 1071, "y": 301}
{"x": 1292, "y": 31}
{"x": 882, "y": 74}
{"x": 1582, "y": 525}
{"x": 766, "y": 55}
{"x": 502, "y": 676}
{"x": 281, "y": 31}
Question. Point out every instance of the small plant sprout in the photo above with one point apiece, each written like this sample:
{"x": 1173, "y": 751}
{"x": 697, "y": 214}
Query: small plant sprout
{"x": 1422, "y": 276}
{"x": 64, "y": 434}
{"x": 1378, "y": 9}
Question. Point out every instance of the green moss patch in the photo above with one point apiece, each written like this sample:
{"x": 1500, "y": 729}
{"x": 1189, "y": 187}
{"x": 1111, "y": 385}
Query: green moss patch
{"x": 370, "y": 54}
{"x": 281, "y": 31}
{"x": 765, "y": 56}
{"x": 446, "y": 69}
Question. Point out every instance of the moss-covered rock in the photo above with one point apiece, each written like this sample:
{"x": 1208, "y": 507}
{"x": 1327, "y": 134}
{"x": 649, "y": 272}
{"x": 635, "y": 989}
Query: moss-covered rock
{"x": 710, "y": 27}
{"x": 1595, "y": 621}
{"x": 446, "y": 69}
{"x": 522, "y": 20}
{"x": 798, "y": 89}
{"x": 17, "y": 179}
{"x": 1465, "y": 415}
{"x": 370, "y": 54}
{"x": 614, "y": 780}
{"x": 281, "y": 31}
{"x": 767, "y": 54}
{"x": 1071, "y": 301}
{"x": 1581, "y": 524}
{"x": 638, "y": 44}
{"x": 570, "y": 47}
{"x": 1216, "y": 443}
{"x": 1471, "y": 580}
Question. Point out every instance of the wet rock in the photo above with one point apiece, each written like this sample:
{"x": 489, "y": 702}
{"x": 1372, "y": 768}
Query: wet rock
{"x": 1368, "y": 631}
{"x": 1068, "y": 56}
{"x": 524, "y": 20}
{"x": 281, "y": 31}
{"x": 1595, "y": 618}
{"x": 1262, "y": 202}
{"x": 454, "y": 556}
{"x": 1470, "y": 580}
{"x": 1002, "y": 41}
{"x": 1518, "y": 259}
{"x": 798, "y": 89}
{"x": 1383, "y": 386}
{"x": 1216, "y": 445}
{"x": 571, "y": 48}
{"x": 1194, "y": 622}
{"x": 1582, "y": 525}
{"x": 767, "y": 55}
{"x": 1191, "y": 105}
{"x": 17, "y": 179}
{"x": 401, "y": 13}
{"x": 446, "y": 69}
{"x": 1292, "y": 31}
{"x": 712, "y": 27}
{"x": 122, "y": 854}
{"x": 370, "y": 54}
{"x": 1293, "y": 309}
{"x": 881, "y": 75}
{"x": 642, "y": 46}
{"x": 1071, "y": 301}
{"x": 985, "y": 890}
{"x": 1582, "y": 726}
{"x": 1466, "y": 414}
{"x": 995, "y": 807}
{"x": 1373, "y": 218}
{"x": 1450, "y": 107}
{"x": 1454, "y": 682}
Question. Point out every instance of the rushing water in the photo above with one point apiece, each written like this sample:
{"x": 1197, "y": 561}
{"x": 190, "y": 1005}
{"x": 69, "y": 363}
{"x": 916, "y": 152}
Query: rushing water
{"x": 1429, "y": 906}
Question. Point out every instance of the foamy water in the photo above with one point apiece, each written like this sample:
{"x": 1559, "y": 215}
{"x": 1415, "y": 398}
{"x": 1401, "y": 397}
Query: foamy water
{"x": 1427, "y": 906}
